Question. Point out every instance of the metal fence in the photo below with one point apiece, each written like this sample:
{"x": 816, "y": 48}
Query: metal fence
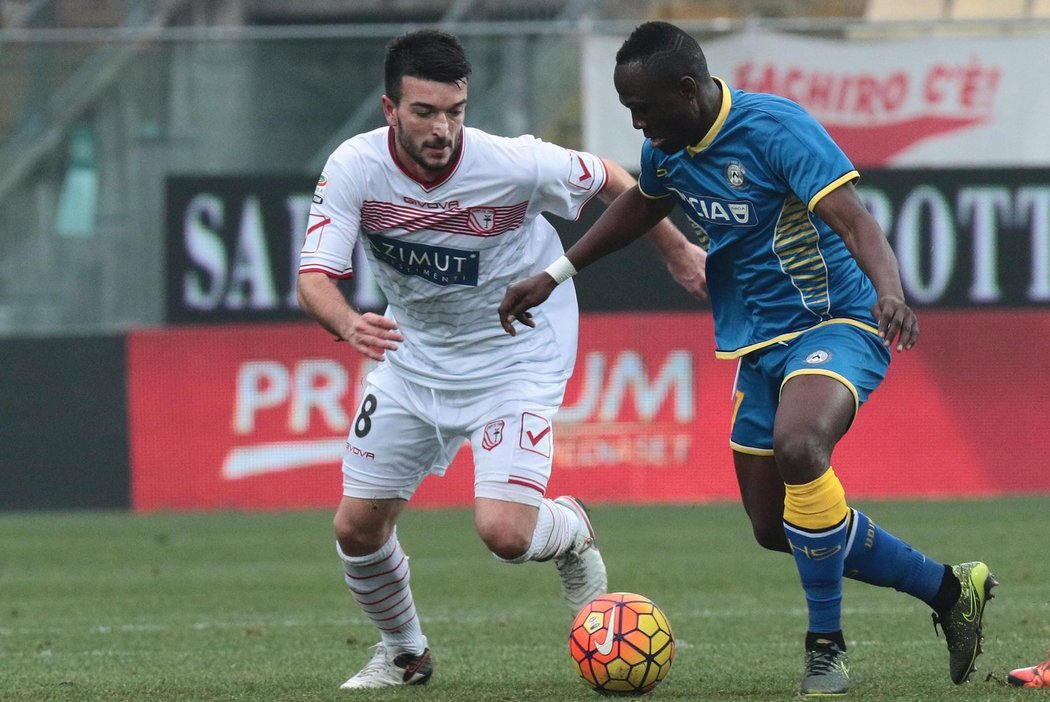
{"x": 83, "y": 173}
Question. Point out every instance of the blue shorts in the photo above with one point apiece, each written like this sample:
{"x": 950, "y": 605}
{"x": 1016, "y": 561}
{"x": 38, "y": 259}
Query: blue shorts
{"x": 852, "y": 355}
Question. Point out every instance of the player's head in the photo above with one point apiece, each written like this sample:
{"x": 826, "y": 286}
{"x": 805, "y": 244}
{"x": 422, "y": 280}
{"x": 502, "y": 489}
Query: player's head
{"x": 427, "y": 54}
{"x": 426, "y": 76}
{"x": 660, "y": 75}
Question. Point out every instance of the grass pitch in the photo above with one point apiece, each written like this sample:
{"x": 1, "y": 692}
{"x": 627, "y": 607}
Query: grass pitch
{"x": 117, "y": 607}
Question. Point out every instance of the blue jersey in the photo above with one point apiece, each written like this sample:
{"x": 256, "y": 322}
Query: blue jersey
{"x": 774, "y": 269}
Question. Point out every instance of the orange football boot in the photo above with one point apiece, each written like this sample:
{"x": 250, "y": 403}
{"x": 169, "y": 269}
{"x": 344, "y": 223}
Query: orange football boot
{"x": 1035, "y": 676}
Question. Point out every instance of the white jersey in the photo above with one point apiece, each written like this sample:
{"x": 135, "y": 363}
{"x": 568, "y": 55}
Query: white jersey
{"x": 444, "y": 253}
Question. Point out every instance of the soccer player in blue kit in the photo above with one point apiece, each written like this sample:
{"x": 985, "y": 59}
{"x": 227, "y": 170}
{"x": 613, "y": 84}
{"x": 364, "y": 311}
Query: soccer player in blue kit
{"x": 806, "y": 294}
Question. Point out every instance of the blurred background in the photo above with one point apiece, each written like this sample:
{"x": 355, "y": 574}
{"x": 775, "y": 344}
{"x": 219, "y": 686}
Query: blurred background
{"x": 157, "y": 159}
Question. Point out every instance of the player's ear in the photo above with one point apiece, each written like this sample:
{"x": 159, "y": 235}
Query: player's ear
{"x": 688, "y": 87}
{"x": 390, "y": 111}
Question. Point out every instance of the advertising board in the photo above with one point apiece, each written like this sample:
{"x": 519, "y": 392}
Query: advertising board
{"x": 256, "y": 417}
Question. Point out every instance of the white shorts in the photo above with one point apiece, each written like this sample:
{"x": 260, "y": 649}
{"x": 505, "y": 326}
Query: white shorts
{"x": 403, "y": 432}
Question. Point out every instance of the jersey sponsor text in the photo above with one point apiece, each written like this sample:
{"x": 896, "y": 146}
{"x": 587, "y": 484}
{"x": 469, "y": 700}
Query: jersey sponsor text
{"x": 712, "y": 209}
{"x": 438, "y": 264}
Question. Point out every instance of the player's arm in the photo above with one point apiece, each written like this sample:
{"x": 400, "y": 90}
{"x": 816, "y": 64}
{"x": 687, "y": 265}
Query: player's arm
{"x": 684, "y": 260}
{"x": 843, "y": 211}
{"x": 630, "y": 215}
{"x": 371, "y": 334}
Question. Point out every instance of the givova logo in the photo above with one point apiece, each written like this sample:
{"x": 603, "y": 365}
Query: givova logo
{"x": 438, "y": 264}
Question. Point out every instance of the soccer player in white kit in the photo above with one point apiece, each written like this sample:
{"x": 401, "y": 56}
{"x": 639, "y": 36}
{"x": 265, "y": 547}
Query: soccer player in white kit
{"x": 450, "y": 216}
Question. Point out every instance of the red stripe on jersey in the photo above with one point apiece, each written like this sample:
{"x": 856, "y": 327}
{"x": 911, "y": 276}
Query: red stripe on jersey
{"x": 377, "y": 216}
{"x": 330, "y": 272}
{"x": 319, "y": 225}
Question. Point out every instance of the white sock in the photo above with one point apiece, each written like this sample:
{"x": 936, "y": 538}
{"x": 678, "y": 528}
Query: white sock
{"x": 555, "y": 531}
{"x": 379, "y": 583}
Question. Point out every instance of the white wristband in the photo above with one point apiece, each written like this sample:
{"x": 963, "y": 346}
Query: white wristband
{"x": 561, "y": 270}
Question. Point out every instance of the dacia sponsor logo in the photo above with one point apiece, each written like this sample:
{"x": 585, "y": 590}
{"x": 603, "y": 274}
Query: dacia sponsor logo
{"x": 438, "y": 264}
{"x": 717, "y": 211}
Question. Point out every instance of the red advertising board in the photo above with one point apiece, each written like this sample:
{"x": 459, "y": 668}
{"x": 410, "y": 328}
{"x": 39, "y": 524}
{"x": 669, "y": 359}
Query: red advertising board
{"x": 255, "y": 417}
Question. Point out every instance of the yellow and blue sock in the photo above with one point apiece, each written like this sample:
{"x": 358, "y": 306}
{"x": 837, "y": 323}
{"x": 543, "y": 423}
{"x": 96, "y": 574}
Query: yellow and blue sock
{"x": 877, "y": 557}
{"x": 815, "y": 522}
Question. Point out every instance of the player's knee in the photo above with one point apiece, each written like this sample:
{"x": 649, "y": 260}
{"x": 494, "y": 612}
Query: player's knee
{"x": 504, "y": 542}
{"x": 801, "y": 457}
{"x": 358, "y": 540}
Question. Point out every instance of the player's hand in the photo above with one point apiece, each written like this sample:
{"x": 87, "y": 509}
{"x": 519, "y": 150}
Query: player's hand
{"x": 373, "y": 335}
{"x": 520, "y": 297}
{"x": 690, "y": 270}
{"x": 897, "y": 322}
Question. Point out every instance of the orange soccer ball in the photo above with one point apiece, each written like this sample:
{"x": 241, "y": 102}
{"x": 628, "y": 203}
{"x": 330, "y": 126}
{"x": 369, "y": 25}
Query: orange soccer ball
{"x": 621, "y": 644}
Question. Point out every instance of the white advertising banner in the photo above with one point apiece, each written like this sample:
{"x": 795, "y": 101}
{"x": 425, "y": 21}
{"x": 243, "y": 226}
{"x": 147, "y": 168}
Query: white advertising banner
{"x": 937, "y": 101}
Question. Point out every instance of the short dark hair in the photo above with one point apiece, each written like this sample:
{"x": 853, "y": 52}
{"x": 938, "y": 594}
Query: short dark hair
{"x": 664, "y": 49}
{"x": 428, "y": 54}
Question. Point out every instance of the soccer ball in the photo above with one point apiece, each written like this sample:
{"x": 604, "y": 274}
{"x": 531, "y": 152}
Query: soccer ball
{"x": 621, "y": 644}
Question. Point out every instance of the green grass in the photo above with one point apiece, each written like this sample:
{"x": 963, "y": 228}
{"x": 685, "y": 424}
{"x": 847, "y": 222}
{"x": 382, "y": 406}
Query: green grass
{"x": 116, "y": 607}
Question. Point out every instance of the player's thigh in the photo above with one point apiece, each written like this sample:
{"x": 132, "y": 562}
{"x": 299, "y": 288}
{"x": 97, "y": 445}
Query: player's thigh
{"x": 513, "y": 443}
{"x": 389, "y": 449}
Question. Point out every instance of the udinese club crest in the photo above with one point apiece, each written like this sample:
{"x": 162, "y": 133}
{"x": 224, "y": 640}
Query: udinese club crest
{"x": 818, "y": 357}
{"x": 735, "y": 174}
